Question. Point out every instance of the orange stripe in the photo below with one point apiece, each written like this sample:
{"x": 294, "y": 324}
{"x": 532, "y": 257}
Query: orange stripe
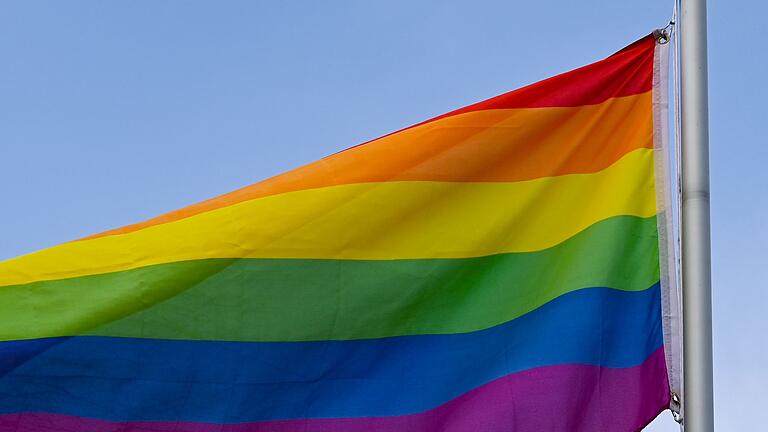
{"x": 503, "y": 145}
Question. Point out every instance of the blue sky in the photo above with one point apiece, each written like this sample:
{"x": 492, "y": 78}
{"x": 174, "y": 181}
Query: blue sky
{"x": 113, "y": 112}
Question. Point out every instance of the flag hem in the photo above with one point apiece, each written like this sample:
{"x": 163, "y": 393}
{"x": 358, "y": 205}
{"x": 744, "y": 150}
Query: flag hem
{"x": 668, "y": 257}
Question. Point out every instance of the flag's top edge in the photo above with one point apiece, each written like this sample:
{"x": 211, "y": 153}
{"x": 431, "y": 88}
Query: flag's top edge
{"x": 587, "y": 85}
{"x": 628, "y": 72}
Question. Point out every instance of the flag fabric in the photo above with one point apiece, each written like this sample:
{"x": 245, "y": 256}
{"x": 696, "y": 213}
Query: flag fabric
{"x": 496, "y": 268}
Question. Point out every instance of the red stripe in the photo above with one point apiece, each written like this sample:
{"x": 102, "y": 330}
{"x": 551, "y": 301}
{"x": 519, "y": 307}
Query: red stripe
{"x": 628, "y": 72}
{"x": 625, "y": 73}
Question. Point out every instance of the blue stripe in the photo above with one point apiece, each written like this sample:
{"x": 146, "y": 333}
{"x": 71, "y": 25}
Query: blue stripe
{"x": 230, "y": 382}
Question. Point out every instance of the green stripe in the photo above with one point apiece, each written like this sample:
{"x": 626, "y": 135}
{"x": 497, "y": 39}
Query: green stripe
{"x": 301, "y": 300}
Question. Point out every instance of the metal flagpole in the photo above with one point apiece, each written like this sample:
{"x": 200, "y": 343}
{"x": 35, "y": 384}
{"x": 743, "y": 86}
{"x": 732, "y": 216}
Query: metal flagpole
{"x": 698, "y": 405}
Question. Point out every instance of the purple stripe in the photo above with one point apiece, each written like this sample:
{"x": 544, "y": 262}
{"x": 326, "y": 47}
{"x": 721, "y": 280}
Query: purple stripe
{"x": 553, "y": 398}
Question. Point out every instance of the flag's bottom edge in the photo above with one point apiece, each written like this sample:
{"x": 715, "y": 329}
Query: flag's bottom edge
{"x": 555, "y": 398}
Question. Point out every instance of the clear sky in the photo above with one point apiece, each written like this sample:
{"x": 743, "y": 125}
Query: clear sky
{"x": 113, "y": 112}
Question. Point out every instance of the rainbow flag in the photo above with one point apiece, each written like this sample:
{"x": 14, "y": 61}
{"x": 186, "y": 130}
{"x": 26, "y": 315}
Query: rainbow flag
{"x": 496, "y": 268}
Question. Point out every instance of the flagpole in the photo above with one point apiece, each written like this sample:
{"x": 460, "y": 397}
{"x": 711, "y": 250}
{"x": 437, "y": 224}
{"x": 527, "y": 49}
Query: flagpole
{"x": 698, "y": 405}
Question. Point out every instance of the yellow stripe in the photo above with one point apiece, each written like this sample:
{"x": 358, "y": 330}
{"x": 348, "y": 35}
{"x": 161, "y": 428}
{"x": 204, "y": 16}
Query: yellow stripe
{"x": 388, "y": 220}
